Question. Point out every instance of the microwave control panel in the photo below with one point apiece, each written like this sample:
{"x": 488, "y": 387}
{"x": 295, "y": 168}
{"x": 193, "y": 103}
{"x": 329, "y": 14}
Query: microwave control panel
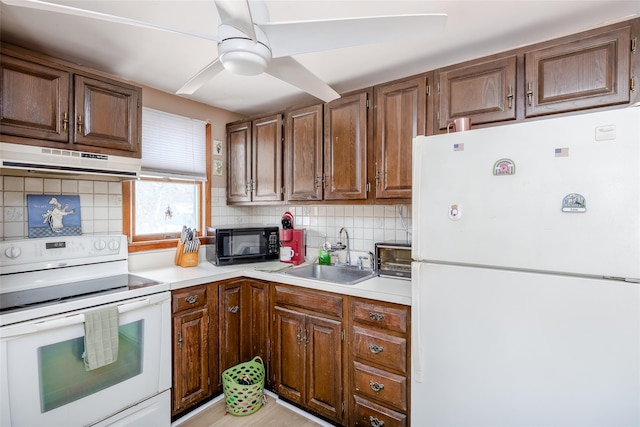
{"x": 273, "y": 244}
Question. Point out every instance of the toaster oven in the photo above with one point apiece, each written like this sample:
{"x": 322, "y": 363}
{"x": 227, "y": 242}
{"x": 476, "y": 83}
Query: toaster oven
{"x": 393, "y": 259}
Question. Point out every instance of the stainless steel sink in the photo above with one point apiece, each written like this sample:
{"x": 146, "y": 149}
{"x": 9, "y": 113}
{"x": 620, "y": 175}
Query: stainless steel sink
{"x": 330, "y": 273}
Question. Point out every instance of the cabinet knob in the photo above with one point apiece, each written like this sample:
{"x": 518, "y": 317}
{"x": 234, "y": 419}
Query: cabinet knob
{"x": 375, "y": 349}
{"x": 233, "y": 309}
{"x": 376, "y": 316}
{"x": 375, "y": 386}
{"x": 191, "y": 299}
{"x": 375, "y": 422}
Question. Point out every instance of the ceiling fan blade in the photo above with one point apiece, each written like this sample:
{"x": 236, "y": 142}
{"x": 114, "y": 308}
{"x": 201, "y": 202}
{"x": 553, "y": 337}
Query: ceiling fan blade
{"x": 297, "y": 37}
{"x": 69, "y": 10}
{"x": 291, "y": 71}
{"x": 203, "y": 76}
{"x": 237, "y": 14}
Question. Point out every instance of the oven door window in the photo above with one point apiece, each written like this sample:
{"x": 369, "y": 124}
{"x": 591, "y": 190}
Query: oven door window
{"x": 63, "y": 378}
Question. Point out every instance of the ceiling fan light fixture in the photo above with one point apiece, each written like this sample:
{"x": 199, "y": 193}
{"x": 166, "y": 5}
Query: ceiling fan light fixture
{"x": 244, "y": 56}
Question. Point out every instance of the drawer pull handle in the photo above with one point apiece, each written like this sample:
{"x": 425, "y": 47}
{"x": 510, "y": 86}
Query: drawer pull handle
{"x": 376, "y": 316}
{"x": 375, "y": 422}
{"x": 375, "y": 386}
{"x": 191, "y": 299}
{"x": 234, "y": 309}
{"x": 375, "y": 349}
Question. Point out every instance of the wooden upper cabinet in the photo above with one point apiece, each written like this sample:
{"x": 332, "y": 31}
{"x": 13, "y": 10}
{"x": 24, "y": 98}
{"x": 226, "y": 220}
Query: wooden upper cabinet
{"x": 107, "y": 114}
{"x": 400, "y": 116}
{"x": 345, "y": 147}
{"x": 267, "y": 159}
{"x": 585, "y": 72}
{"x": 35, "y": 101}
{"x": 303, "y": 153}
{"x": 483, "y": 91}
{"x": 239, "y": 162}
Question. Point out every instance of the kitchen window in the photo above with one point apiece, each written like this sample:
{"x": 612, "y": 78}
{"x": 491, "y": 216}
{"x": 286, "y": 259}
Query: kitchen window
{"x": 173, "y": 190}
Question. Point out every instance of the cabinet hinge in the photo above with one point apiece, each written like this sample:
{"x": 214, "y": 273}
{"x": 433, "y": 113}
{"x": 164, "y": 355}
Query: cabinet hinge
{"x": 208, "y": 380}
{"x": 368, "y": 106}
{"x": 634, "y": 44}
{"x": 282, "y": 190}
{"x": 632, "y": 84}
{"x": 343, "y": 408}
{"x": 438, "y": 87}
{"x": 428, "y": 90}
{"x": 368, "y": 187}
{"x": 138, "y": 102}
{"x": 437, "y": 115}
{"x": 342, "y": 335}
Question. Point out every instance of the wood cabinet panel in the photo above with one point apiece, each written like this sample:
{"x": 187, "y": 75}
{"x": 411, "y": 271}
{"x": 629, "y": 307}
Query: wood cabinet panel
{"x": 484, "y": 92}
{"x": 190, "y": 359}
{"x": 582, "y": 73}
{"x": 380, "y": 348}
{"x": 389, "y": 388}
{"x": 400, "y": 116}
{"x": 239, "y": 162}
{"x": 267, "y": 159}
{"x": 380, "y": 315}
{"x": 324, "y": 346}
{"x": 369, "y": 414}
{"x": 107, "y": 114}
{"x": 345, "y": 148}
{"x": 189, "y": 299}
{"x": 35, "y": 100}
{"x": 289, "y": 356}
{"x": 319, "y": 302}
{"x": 303, "y": 153}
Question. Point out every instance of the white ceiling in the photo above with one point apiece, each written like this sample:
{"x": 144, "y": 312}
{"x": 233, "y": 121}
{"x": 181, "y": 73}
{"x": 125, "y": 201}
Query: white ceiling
{"x": 166, "y": 61}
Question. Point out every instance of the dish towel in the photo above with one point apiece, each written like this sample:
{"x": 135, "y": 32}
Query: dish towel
{"x": 100, "y": 337}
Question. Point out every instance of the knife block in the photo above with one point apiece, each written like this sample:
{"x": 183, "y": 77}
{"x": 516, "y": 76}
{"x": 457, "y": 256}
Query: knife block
{"x": 185, "y": 259}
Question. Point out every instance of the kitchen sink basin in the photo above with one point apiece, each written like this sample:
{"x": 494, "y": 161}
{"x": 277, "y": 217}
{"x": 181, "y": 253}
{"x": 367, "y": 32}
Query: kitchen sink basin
{"x": 330, "y": 273}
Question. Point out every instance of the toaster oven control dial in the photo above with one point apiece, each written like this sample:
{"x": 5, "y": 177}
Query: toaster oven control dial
{"x": 13, "y": 252}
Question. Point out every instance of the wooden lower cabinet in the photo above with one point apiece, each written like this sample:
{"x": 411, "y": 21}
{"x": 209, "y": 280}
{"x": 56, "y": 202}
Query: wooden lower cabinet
{"x": 379, "y": 363}
{"x": 308, "y": 357}
{"x": 193, "y": 347}
{"x": 243, "y": 314}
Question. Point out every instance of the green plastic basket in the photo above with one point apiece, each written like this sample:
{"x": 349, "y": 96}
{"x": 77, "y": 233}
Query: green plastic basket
{"x": 244, "y": 399}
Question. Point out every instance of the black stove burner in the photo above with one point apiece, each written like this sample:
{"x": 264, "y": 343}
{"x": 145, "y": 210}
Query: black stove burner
{"x": 71, "y": 291}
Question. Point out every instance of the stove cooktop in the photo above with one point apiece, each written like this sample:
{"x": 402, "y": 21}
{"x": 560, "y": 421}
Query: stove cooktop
{"x": 49, "y": 295}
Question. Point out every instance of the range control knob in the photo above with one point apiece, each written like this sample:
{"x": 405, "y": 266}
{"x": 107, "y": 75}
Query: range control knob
{"x": 99, "y": 245}
{"x": 114, "y": 245}
{"x": 13, "y": 252}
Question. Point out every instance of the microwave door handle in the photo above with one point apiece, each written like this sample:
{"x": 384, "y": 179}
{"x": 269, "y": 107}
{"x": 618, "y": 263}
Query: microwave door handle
{"x": 47, "y": 325}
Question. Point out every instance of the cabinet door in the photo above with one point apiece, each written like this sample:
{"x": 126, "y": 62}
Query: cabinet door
{"x": 289, "y": 355}
{"x": 34, "y": 101}
{"x": 239, "y": 164}
{"x": 583, "y": 73}
{"x": 400, "y": 116}
{"x": 345, "y": 148}
{"x": 256, "y": 320}
{"x": 229, "y": 315}
{"x": 303, "y": 154}
{"x": 107, "y": 115}
{"x": 484, "y": 92}
{"x": 190, "y": 358}
{"x": 323, "y": 340}
{"x": 267, "y": 159}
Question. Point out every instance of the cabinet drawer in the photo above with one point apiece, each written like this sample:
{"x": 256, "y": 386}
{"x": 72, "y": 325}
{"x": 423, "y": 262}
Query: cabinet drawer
{"x": 386, "y": 317}
{"x": 314, "y": 301}
{"x": 382, "y": 385}
{"x": 190, "y": 298}
{"x": 380, "y": 348}
{"x": 369, "y": 414}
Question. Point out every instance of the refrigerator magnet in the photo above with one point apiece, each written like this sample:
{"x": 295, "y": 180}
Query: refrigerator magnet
{"x": 504, "y": 167}
{"x": 455, "y": 212}
{"x": 574, "y": 202}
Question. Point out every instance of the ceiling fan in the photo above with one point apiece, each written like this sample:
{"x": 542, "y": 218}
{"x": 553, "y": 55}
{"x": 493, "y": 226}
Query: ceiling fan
{"x": 250, "y": 44}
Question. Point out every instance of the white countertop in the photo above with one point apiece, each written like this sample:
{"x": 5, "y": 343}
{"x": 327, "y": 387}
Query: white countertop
{"x": 378, "y": 288}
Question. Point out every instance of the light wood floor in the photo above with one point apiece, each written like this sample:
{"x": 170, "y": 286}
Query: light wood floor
{"x": 271, "y": 414}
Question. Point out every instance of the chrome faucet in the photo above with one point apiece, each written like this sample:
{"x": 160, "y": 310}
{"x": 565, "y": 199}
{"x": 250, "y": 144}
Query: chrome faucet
{"x": 348, "y": 257}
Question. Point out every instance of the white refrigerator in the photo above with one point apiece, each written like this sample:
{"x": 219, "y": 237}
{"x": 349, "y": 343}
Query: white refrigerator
{"x": 526, "y": 294}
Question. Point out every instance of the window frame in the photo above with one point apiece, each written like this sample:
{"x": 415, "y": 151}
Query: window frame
{"x": 153, "y": 242}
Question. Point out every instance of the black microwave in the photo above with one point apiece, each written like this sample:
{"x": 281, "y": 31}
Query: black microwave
{"x": 237, "y": 245}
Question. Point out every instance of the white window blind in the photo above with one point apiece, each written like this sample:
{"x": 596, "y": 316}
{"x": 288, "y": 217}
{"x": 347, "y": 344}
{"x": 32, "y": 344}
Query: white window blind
{"x": 173, "y": 146}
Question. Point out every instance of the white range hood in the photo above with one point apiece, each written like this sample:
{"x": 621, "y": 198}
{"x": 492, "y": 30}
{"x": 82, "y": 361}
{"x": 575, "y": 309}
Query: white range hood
{"x": 29, "y": 158}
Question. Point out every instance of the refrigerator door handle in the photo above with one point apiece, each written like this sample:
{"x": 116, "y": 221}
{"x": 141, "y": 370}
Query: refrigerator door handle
{"x": 416, "y": 333}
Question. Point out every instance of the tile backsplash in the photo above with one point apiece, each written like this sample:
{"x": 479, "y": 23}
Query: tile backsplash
{"x": 101, "y": 206}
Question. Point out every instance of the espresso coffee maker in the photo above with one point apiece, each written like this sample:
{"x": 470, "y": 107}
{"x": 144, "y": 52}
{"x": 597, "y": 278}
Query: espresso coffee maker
{"x": 292, "y": 247}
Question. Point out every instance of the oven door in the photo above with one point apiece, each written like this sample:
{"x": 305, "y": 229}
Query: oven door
{"x": 44, "y": 381}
